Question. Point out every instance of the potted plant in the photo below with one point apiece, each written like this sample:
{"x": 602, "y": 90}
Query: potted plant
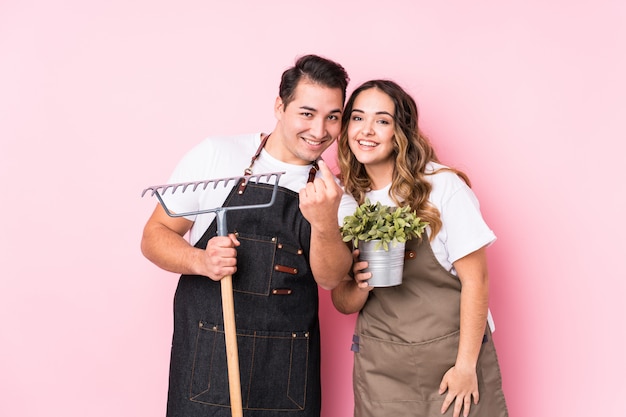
{"x": 380, "y": 233}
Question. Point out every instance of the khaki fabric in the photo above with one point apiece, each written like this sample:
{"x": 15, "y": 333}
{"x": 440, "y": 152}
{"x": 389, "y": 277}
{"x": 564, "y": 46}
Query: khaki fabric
{"x": 408, "y": 338}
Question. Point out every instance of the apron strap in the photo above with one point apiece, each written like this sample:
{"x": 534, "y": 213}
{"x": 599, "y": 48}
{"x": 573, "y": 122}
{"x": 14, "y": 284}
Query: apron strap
{"x": 313, "y": 171}
{"x": 248, "y": 171}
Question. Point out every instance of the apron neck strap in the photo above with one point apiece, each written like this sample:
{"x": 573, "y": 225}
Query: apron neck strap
{"x": 248, "y": 171}
{"x": 313, "y": 171}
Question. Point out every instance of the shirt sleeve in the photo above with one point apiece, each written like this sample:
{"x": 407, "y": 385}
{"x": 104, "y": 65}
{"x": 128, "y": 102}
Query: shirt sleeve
{"x": 465, "y": 229}
{"x": 192, "y": 167}
{"x": 347, "y": 207}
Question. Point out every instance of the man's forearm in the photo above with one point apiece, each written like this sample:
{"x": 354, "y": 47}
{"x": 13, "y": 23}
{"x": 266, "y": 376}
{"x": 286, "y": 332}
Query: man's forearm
{"x": 330, "y": 258}
{"x": 168, "y": 250}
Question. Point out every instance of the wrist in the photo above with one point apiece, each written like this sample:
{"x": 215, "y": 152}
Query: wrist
{"x": 193, "y": 262}
{"x": 465, "y": 366}
{"x": 328, "y": 230}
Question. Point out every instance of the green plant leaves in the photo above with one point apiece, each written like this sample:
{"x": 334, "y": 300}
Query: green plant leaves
{"x": 381, "y": 222}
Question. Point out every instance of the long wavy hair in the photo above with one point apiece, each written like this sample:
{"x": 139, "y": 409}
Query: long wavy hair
{"x": 412, "y": 151}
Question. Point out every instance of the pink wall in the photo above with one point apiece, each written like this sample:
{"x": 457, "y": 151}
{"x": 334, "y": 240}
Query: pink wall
{"x": 100, "y": 99}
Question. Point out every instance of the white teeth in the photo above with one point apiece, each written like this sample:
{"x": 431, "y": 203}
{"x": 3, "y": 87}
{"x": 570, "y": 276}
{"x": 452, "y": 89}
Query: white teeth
{"x": 367, "y": 143}
{"x": 311, "y": 142}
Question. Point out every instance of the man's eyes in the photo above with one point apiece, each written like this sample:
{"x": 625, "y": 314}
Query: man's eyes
{"x": 309, "y": 115}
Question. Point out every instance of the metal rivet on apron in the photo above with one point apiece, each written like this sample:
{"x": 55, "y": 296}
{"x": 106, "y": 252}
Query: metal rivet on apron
{"x": 201, "y": 324}
{"x": 274, "y": 240}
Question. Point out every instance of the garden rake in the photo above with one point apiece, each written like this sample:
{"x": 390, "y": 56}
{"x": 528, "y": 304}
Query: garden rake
{"x": 228, "y": 306}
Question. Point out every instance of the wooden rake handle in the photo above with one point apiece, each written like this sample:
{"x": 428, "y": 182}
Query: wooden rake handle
{"x": 232, "y": 353}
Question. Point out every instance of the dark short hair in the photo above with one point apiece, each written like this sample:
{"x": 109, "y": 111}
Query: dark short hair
{"x": 316, "y": 69}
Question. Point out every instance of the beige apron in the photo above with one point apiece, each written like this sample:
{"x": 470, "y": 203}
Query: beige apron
{"x": 406, "y": 339}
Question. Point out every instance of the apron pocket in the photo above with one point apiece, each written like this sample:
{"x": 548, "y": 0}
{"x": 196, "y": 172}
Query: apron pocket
{"x": 387, "y": 371}
{"x": 273, "y": 262}
{"x": 255, "y": 258}
{"x": 281, "y": 357}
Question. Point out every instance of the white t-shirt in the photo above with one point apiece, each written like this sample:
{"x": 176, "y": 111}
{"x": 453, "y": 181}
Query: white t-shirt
{"x": 226, "y": 157}
{"x": 463, "y": 229}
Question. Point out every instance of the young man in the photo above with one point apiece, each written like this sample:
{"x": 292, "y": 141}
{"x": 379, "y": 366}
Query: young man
{"x": 277, "y": 256}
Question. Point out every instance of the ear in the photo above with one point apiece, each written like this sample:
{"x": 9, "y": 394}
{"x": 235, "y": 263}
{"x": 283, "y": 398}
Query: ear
{"x": 279, "y": 109}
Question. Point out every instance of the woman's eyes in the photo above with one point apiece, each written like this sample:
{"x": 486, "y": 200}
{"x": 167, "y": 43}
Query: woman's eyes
{"x": 380, "y": 121}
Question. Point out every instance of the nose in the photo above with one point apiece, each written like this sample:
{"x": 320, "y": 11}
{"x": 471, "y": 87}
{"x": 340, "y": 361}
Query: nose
{"x": 318, "y": 127}
{"x": 368, "y": 129}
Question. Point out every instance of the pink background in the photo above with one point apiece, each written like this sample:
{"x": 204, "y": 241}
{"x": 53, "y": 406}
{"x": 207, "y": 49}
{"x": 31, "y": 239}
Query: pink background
{"x": 99, "y": 99}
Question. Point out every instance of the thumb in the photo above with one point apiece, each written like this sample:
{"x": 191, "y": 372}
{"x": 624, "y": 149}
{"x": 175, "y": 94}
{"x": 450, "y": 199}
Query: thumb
{"x": 234, "y": 239}
{"x": 443, "y": 387}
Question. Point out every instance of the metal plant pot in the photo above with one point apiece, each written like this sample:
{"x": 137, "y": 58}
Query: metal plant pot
{"x": 386, "y": 266}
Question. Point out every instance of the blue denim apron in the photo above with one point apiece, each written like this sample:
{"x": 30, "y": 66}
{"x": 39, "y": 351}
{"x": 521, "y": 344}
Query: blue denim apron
{"x": 276, "y": 313}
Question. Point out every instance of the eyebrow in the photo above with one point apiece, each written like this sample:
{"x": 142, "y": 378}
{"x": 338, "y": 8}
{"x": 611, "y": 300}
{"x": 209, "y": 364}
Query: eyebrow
{"x": 378, "y": 112}
{"x": 312, "y": 109}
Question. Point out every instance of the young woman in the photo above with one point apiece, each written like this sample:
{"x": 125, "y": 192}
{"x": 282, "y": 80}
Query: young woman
{"x": 422, "y": 348}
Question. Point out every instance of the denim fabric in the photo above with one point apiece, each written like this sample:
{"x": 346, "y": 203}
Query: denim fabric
{"x": 276, "y": 313}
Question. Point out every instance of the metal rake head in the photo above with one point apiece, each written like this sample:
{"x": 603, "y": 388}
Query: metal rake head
{"x": 160, "y": 190}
